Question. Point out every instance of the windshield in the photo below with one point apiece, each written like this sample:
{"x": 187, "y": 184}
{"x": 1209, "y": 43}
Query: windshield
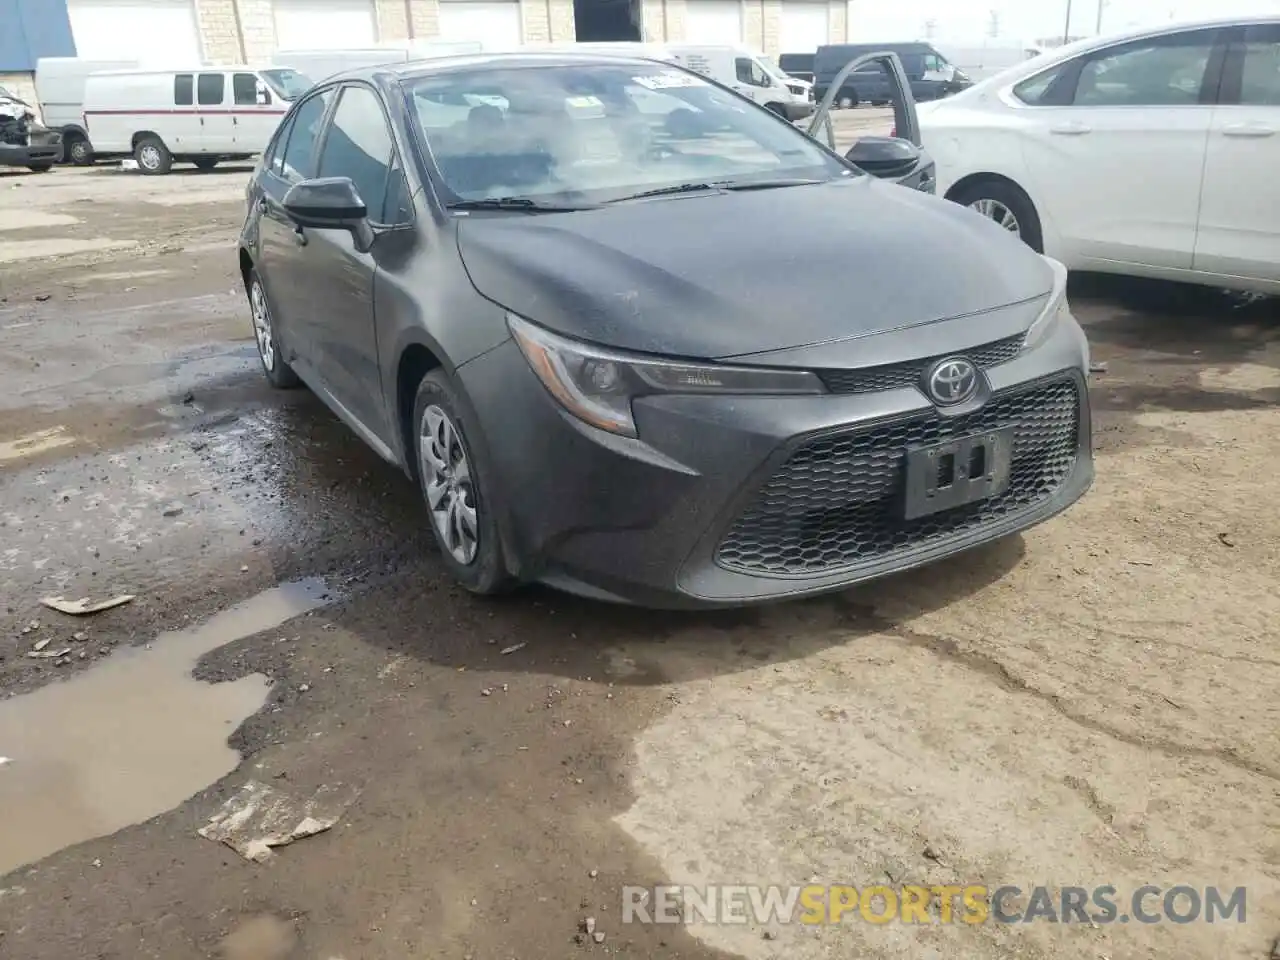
{"x": 589, "y": 133}
{"x": 288, "y": 84}
{"x": 773, "y": 69}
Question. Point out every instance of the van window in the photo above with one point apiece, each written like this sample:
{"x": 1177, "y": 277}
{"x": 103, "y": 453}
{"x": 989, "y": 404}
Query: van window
{"x": 210, "y": 88}
{"x": 750, "y": 72}
{"x": 934, "y": 63}
{"x": 245, "y": 89}
{"x": 183, "y": 89}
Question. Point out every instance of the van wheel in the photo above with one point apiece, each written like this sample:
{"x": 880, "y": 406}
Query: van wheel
{"x": 1006, "y": 204}
{"x": 80, "y": 152}
{"x": 40, "y": 167}
{"x": 153, "y": 156}
{"x": 777, "y": 108}
{"x": 206, "y": 163}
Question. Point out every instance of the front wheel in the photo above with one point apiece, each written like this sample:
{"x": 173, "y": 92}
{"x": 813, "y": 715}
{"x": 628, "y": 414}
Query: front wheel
{"x": 454, "y": 485}
{"x": 1007, "y": 205}
{"x": 278, "y": 373}
{"x": 80, "y": 152}
{"x": 153, "y": 156}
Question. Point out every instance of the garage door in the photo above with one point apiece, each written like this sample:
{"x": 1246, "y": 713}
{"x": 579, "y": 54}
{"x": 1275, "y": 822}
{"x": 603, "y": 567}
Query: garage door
{"x": 494, "y": 23}
{"x": 151, "y": 31}
{"x": 324, "y": 24}
{"x": 713, "y": 21}
{"x": 804, "y": 26}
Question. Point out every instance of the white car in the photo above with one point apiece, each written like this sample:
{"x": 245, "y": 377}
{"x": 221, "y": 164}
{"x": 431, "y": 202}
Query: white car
{"x": 1153, "y": 153}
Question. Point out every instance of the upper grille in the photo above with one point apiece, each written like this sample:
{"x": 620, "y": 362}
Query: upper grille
{"x": 836, "y": 503}
{"x": 908, "y": 374}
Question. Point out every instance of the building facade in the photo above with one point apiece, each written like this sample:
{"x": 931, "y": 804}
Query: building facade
{"x": 249, "y": 31}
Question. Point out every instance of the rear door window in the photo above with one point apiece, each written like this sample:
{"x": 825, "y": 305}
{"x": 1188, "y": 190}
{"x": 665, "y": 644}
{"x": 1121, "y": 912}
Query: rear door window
{"x": 184, "y": 90}
{"x": 210, "y": 89}
{"x": 1260, "y": 66}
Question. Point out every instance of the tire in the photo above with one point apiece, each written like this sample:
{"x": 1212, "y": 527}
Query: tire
{"x": 40, "y": 167}
{"x": 153, "y": 156}
{"x": 995, "y": 199}
{"x": 205, "y": 163}
{"x": 450, "y": 474}
{"x": 278, "y": 373}
{"x": 777, "y": 108}
{"x": 79, "y": 152}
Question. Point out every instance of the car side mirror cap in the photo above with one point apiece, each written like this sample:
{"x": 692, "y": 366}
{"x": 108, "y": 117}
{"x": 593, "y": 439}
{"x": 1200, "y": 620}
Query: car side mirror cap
{"x": 888, "y": 157}
{"x": 325, "y": 203}
{"x": 330, "y": 203}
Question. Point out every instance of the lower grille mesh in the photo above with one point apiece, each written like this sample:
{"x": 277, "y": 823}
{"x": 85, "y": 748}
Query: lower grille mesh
{"x": 836, "y": 503}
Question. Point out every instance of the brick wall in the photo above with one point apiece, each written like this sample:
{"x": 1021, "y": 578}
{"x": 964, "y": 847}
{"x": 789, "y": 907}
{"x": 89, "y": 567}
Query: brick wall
{"x": 235, "y": 31}
{"x": 219, "y": 30}
{"x": 761, "y": 23}
{"x": 547, "y": 21}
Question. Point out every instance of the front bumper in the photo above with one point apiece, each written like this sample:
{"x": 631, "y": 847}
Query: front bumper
{"x": 50, "y": 151}
{"x": 709, "y": 508}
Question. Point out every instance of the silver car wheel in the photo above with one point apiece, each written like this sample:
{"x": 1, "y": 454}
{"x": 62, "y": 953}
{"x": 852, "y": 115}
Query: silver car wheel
{"x": 997, "y": 211}
{"x": 149, "y": 157}
{"x": 450, "y": 489}
{"x": 262, "y": 326}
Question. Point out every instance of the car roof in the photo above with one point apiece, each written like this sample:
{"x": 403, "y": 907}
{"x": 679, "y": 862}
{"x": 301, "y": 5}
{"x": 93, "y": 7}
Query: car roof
{"x": 1055, "y": 55}
{"x": 458, "y": 63}
{"x": 1068, "y": 50}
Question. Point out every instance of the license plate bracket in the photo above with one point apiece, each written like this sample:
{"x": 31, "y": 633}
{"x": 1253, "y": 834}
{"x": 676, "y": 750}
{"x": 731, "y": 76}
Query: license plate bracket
{"x": 942, "y": 476}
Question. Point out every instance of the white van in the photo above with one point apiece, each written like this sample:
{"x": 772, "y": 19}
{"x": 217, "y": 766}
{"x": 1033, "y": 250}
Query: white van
{"x": 199, "y": 115}
{"x": 746, "y": 71}
{"x": 751, "y": 74}
{"x": 322, "y": 64}
{"x": 60, "y": 89}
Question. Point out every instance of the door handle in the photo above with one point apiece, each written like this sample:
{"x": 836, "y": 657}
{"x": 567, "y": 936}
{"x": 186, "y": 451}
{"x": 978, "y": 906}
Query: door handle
{"x": 1070, "y": 128}
{"x": 1248, "y": 130}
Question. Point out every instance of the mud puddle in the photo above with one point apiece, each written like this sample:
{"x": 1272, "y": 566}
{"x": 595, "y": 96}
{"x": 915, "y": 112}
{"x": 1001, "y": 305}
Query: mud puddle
{"x": 133, "y": 737}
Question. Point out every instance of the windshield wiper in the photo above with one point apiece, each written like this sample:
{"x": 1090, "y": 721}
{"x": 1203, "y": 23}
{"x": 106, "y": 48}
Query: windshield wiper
{"x": 516, "y": 203}
{"x": 719, "y": 185}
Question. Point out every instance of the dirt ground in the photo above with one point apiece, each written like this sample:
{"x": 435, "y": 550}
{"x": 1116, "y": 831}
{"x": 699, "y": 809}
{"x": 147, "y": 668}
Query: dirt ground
{"x": 1091, "y": 703}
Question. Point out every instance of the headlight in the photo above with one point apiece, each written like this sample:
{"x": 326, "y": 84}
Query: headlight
{"x": 597, "y": 385}
{"x": 1054, "y": 311}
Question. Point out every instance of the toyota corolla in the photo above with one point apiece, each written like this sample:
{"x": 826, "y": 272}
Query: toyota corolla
{"x": 636, "y": 337}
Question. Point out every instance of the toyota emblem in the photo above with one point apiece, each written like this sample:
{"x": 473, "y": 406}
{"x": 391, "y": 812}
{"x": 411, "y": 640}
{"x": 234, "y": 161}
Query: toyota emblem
{"x": 953, "y": 380}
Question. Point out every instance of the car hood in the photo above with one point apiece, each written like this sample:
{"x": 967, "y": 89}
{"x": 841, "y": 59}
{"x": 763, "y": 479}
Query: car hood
{"x": 732, "y": 274}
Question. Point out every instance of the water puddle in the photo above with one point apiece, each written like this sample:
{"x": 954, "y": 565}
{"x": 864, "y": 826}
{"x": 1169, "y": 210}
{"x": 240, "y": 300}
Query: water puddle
{"x": 131, "y": 738}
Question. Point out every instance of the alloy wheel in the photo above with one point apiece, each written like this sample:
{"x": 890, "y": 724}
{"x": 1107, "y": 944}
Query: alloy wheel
{"x": 997, "y": 211}
{"x": 149, "y": 157}
{"x": 262, "y": 325}
{"x": 449, "y": 485}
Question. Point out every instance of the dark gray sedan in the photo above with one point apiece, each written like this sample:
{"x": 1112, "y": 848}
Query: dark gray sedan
{"x": 640, "y": 339}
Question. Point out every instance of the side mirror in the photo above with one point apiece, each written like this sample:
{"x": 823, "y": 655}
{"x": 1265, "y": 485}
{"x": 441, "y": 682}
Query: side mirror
{"x": 887, "y": 157}
{"x": 330, "y": 203}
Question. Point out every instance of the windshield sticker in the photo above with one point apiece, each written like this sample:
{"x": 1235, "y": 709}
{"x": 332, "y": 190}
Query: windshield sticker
{"x": 668, "y": 81}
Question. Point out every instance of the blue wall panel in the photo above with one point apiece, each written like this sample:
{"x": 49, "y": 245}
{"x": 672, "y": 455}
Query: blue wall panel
{"x": 31, "y": 29}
